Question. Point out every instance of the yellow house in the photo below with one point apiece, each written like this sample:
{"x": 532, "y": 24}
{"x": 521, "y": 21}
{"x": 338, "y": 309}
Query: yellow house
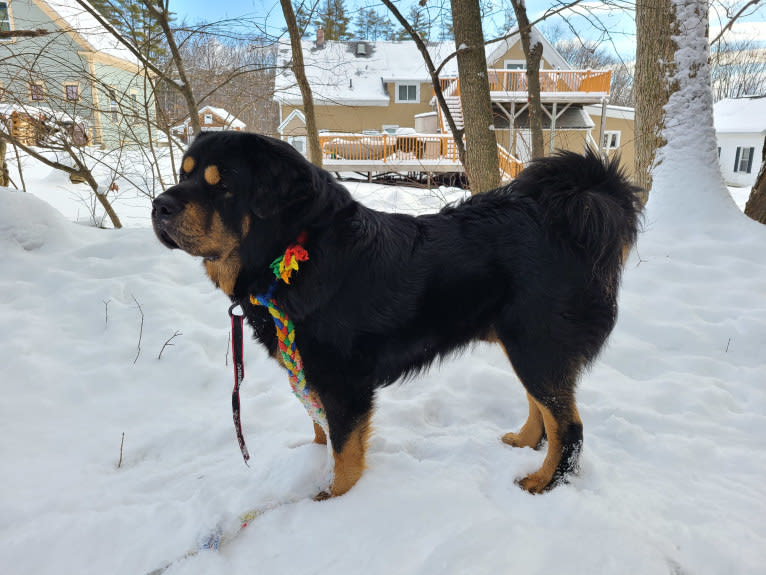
{"x": 375, "y": 104}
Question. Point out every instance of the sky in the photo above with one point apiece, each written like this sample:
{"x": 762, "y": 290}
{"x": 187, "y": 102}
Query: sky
{"x": 593, "y": 20}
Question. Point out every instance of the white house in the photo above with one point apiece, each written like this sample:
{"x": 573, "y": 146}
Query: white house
{"x": 740, "y": 125}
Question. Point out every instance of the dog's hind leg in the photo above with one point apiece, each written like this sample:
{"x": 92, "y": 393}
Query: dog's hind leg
{"x": 550, "y": 387}
{"x": 563, "y": 428}
{"x": 532, "y": 432}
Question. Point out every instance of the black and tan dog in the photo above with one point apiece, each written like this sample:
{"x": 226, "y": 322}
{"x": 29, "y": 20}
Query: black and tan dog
{"x": 533, "y": 266}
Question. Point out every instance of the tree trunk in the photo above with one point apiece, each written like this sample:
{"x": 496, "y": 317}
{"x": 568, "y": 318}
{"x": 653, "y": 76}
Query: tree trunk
{"x": 756, "y": 203}
{"x": 656, "y": 25}
{"x": 687, "y": 185}
{"x": 482, "y": 164}
{"x": 533, "y": 53}
{"x": 4, "y": 180}
{"x": 312, "y": 133}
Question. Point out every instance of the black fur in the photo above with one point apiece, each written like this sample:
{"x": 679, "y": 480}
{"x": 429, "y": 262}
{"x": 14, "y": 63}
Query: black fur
{"x": 534, "y": 265}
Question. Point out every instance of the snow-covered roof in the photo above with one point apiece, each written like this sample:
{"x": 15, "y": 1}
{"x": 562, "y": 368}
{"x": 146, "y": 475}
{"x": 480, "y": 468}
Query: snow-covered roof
{"x": 6, "y": 109}
{"x": 740, "y": 115}
{"x": 72, "y": 16}
{"x": 339, "y": 73}
{"x": 229, "y": 120}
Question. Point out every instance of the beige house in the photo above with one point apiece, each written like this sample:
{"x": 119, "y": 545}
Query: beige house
{"x": 375, "y": 104}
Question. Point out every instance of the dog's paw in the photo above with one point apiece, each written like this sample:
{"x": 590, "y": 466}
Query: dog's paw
{"x": 513, "y": 439}
{"x": 323, "y": 496}
{"x": 535, "y": 483}
{"x": 517, "y": 440}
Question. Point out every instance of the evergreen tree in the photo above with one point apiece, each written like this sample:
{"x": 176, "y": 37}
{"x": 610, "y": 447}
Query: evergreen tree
{"x": 332, "y": 17}
{"x": 133, "y": 20}
{"x": 303, "y": 15}
{"x": 371, "y": 25}
{"x": 420, "y": 22}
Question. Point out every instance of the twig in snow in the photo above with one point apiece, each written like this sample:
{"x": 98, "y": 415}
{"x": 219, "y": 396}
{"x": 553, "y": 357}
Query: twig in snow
{"x": 106, "y": 312}
{"x": 727, "y": 346}
{"x": 141, "y": 329}
{"x": 168, "y": 342}
{"x": 122, "y": 442}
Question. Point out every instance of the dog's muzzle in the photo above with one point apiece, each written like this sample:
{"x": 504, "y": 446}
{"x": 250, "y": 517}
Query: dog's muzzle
{"x": 164, "y": 209}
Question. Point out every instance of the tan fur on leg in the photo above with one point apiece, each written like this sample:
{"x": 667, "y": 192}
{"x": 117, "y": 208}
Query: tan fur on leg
{"x": 531, "y": 432}
{"x": 539, "y": 481}
{"x": 350, "y": 461}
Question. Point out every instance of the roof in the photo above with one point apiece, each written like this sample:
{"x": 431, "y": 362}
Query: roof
{"x": 339, "y": 74}
{"x": 740, "y": 115}
{"x": 229, "y": 120}
{"x": 74, "y": 17}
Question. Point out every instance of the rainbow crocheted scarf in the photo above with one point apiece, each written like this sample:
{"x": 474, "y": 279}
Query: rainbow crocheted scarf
{"x": 283, "y": 267}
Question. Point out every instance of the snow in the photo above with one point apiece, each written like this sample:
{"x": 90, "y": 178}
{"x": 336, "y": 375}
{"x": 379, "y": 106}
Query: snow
{"x": 741, "y": 115}
{"x": 674, "y": 413}
{"x": 75, "y": 17}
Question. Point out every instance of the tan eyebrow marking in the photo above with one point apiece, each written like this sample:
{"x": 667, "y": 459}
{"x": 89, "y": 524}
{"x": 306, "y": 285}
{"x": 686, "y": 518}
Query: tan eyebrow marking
{"x": 188, "y": 164}
{"x": 212, "y": 176}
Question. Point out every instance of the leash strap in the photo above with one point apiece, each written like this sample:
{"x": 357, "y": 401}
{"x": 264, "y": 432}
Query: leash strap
{"x": 239, "y": 374}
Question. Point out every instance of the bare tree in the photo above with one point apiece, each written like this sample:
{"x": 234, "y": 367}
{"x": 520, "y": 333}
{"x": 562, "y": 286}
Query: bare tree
{"x": 433, "y": 71}
{"x": 312, "y": 133}
{"x": 481, "y": 145}
{"x": 533, "y": 53}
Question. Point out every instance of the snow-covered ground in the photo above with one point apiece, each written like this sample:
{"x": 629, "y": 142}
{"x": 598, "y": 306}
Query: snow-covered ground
{"x": 674, "y": 414}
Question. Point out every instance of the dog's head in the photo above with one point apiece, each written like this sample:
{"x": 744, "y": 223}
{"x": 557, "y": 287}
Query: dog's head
{"x": 235, "y": 188}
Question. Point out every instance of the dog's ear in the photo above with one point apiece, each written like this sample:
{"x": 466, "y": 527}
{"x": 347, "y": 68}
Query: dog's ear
{"x": 282, "y": 179}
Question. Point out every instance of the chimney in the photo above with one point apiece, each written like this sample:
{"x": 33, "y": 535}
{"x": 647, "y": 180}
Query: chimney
{"x": 320, "y": 38}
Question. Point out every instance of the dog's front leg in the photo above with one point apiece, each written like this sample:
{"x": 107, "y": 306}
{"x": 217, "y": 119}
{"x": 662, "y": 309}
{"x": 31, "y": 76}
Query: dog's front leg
{"x": 350, "y": 431}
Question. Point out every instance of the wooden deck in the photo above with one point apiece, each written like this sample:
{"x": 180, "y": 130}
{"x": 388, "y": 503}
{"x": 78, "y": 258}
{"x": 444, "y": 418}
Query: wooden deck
{"x": 381, "y": 153}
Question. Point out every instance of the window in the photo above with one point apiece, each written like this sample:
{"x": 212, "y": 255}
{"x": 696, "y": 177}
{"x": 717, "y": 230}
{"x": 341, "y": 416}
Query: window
{"x": 36, "y": 92}
{"x": 611, "y": 140}
{"x": 743, "y": 160}
{"x": 408, "y": 93}
{"x": 298, "y": 142}
{"x": 208, "y": 119}
{"x": 389, "y": 128}
{"x": 516, "y": 65}
{"x": 72, "y": 92}
{"x": 5, "y": 17}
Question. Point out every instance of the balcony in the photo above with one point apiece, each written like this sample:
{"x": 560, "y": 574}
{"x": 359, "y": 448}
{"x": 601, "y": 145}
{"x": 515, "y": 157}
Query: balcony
{"x": 570, "y": 86}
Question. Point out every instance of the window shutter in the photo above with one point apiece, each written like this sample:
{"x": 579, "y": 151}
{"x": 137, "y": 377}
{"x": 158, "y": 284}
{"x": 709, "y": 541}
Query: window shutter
{"x": 736, "y": 160}
{"x": 750, "y": 160}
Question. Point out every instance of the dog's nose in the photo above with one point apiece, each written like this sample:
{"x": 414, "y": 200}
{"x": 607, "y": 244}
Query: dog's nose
{"x": 165, "y": 206}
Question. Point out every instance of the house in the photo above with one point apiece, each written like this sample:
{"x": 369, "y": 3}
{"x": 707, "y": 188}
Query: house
{"x": 363, "y": 88}
{"x": 211, "y": 119}
{"x": 78, "y": 74}
{"x": 740, "y": 126}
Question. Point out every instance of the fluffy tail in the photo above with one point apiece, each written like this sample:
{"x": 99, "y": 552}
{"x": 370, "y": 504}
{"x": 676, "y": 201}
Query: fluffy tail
{"x": 587, "y": 202}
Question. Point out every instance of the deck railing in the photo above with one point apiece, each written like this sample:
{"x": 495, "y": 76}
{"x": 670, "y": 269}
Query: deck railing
{"x": 555, "y": 81}
{"x": 410, "y": 150}
{"x": 388, "y": 148}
